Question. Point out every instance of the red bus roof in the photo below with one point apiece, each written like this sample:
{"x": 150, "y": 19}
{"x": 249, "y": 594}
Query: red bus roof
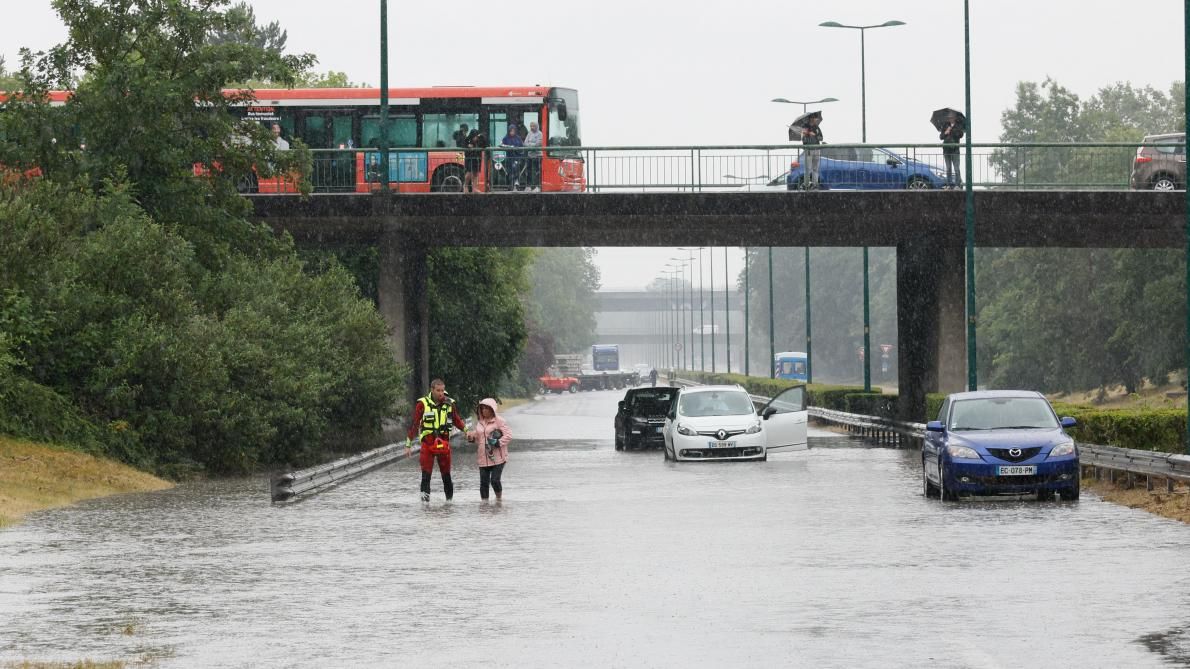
{"x": 371, "y": 94}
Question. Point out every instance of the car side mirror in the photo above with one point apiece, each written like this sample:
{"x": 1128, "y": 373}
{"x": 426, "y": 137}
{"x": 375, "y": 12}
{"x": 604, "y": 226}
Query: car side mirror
{"x": 935, "y": 426}
{"x": 1067, "y": 421}
{"x": 769, "y": 413}
{"x": 621, "y": 405}
{"x": 893, "y": 162}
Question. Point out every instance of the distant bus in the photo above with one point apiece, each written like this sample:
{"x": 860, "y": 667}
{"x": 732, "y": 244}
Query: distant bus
{"x": 422, "y": 134}
{"x": 790, "y": 365}
{"x": 605, "y": 357}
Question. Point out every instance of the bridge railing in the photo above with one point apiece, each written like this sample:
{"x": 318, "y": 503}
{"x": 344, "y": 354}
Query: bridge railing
{"x": 748, "y": 168}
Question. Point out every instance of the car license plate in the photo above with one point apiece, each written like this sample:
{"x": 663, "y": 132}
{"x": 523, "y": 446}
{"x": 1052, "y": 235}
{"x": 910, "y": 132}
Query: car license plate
{"x": 720, "y": 444}
{"x": 1016, "y": 470}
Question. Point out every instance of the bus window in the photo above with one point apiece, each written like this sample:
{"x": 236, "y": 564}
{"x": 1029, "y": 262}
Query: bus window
{"x": 314, "y": 132}
{"x": 341, "y": 132}
{"x": 564, "y": 132}
{"x": 402, "y": 131}
{"x": 799, "y": 368}
{"x": 438, "y": 130}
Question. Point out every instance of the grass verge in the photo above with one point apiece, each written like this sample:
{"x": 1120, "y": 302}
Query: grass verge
{"x": 37, "y": 476}
{"x": 1175, "y": 505}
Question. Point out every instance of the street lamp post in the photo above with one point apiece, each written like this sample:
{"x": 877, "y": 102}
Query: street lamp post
{"x": 772, "y": 340}
{"x": 684, "y": 304}
{"x": 972, "y": 378}
{"x": 747, "y": 299}
{"x": 384, "y": 92}
{"x": 805, "y": 105}
{"x": 863, "y": 114}
{"x": 726, "y": 311}
{"x": 702, "y": 334}
{"x": 809, "y": 345}
{"x": 711, "y": 280}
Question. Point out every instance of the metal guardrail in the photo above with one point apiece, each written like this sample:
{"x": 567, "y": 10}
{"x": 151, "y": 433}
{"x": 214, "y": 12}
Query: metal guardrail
{"x": 1099, "y": 459}
{"x": 740, "y": 168}
{"x": 291, "y": 484}
{"x": 313, "y": 479}
{"x": 1132, "y": 462}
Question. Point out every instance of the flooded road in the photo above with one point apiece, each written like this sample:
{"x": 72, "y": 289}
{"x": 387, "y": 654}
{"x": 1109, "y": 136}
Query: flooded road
{"x": 824, "y": 558}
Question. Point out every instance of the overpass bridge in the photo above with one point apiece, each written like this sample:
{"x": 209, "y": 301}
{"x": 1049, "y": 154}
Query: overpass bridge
{"x": 926, "y": 228}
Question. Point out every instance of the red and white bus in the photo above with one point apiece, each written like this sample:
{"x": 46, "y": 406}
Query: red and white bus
{"x": 343, "y": 126}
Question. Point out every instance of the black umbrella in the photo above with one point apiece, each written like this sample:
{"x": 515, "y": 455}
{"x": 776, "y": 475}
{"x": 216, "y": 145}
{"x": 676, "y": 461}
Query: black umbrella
{"x": 795, "y": 128}
{"x": 945, "y": 115}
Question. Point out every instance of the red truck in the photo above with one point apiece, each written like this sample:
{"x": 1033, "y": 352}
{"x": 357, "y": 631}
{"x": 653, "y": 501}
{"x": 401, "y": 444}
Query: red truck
{"x": 555, "y": 382}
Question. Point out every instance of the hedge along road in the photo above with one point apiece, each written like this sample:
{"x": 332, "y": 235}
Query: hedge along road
{"x": 829, "y": 557}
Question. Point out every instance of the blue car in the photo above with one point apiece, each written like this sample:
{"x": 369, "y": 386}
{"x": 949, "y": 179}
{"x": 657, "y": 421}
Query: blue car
{"x": 866, "y": 168}
{"x": 999, "y": 442}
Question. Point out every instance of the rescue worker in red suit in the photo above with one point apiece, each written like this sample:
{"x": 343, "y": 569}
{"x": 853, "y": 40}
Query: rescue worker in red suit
{"x": 433, "y": 416}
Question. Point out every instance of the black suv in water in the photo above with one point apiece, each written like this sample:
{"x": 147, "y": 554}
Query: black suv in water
{"x": 641, "y": 415}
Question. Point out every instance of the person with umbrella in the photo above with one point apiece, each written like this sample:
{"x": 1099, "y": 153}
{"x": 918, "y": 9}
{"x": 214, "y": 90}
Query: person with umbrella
{"x": 950, "y": 125}
{"x": 811, "y": 135}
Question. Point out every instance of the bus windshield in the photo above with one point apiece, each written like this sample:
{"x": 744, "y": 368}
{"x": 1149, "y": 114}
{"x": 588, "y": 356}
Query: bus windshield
{"x": 563, "y": 131}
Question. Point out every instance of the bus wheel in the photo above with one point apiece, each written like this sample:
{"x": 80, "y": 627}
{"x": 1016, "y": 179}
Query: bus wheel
{"x": 247, "y": 183}
{"x": 448, "y": 179}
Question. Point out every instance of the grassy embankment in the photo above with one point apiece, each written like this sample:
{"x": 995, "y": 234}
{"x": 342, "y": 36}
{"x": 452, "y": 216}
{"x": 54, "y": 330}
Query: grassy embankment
{"x": 38, "y": 476}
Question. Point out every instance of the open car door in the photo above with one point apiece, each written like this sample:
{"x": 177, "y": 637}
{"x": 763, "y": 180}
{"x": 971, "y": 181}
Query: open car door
{"x": 785, "y": 419}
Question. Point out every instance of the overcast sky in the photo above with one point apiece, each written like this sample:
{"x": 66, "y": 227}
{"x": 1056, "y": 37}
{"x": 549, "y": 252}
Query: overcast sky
{"x": 674, "y": 72}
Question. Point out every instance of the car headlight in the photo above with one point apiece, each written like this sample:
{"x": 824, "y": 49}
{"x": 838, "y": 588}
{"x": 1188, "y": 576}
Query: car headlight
{"x": 753, "y": 429}
{"x": 1065, "y": 448}
{"x": 682, "y": 429}
{"x": 962, "y": 452}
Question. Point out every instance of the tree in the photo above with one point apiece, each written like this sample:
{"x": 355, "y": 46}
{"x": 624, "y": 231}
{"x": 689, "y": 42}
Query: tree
{"x": 143, "y": 313}
{"x": 239, "y": 27}
{"x": 133, "y": 115}
{"x": 8, "y": 80}
{"x": 564, "y": 282}
{"x": 1073, "y": 319}
{"x": 477, "y": 317}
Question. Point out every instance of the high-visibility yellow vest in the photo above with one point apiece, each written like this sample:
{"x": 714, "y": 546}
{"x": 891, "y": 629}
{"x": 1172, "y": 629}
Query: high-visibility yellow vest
{"x": 435, "y": 418}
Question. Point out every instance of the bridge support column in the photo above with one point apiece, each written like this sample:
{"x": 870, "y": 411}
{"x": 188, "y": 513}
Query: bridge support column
{"x": 402, "y": 303}
{"x": 931, "y": 323}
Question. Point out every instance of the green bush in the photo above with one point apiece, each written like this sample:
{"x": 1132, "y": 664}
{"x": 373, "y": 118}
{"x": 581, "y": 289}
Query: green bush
{"x": 1144, "y": 429}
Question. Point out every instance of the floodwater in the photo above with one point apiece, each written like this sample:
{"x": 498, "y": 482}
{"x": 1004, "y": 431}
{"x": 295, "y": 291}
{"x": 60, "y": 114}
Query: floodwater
{"x": 599, "y": 558}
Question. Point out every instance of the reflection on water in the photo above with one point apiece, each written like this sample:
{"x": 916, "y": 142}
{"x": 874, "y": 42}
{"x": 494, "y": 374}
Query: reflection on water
{"x": 600, "y": 558}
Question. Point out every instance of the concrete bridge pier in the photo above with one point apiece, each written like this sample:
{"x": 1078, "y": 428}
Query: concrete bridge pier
{"x": 931, "y": 322}
{"x": 403, "y": 304}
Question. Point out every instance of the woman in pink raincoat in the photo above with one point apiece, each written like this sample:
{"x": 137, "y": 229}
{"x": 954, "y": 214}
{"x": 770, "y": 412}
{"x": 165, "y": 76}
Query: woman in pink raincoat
{"x": 492, "y": 449}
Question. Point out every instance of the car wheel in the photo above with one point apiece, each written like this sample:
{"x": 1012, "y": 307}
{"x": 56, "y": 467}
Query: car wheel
{"x": 573, "y": 388}
{"x": 1070, "y": 494}
{"x": 541, "y": 390}
{"x": 619, "y": 441}
{"x": 1164, "y": 182}
{"x": 918, "y": 183}
{"x": 944, "y": 493}
{"x": 765, "y": 457}
{"x": 665, "y": 450}
{"x": 928, "y": 489}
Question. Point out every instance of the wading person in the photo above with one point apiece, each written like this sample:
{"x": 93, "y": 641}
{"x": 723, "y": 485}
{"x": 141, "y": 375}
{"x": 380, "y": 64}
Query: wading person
{"x": 432, "y": 418}
{"x": 491, "y": 436}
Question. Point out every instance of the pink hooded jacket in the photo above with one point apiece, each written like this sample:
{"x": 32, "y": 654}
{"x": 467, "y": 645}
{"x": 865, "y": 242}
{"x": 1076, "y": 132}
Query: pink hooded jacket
{"x": 480, "y": 433}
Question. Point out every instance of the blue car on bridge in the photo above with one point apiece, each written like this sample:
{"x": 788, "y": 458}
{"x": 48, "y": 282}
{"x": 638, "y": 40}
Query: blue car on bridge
{"x": 866, "y": 168}
{"x": 996, "y": 442}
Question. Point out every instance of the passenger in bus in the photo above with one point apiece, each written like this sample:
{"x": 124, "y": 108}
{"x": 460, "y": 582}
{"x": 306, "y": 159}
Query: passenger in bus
{"x": 281, "y": 142}
{"x": 515, "y": 162}
{"x": 461, "y": 135}
{"x": 473, "y": 159}
{"x": 533, "y": 158}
